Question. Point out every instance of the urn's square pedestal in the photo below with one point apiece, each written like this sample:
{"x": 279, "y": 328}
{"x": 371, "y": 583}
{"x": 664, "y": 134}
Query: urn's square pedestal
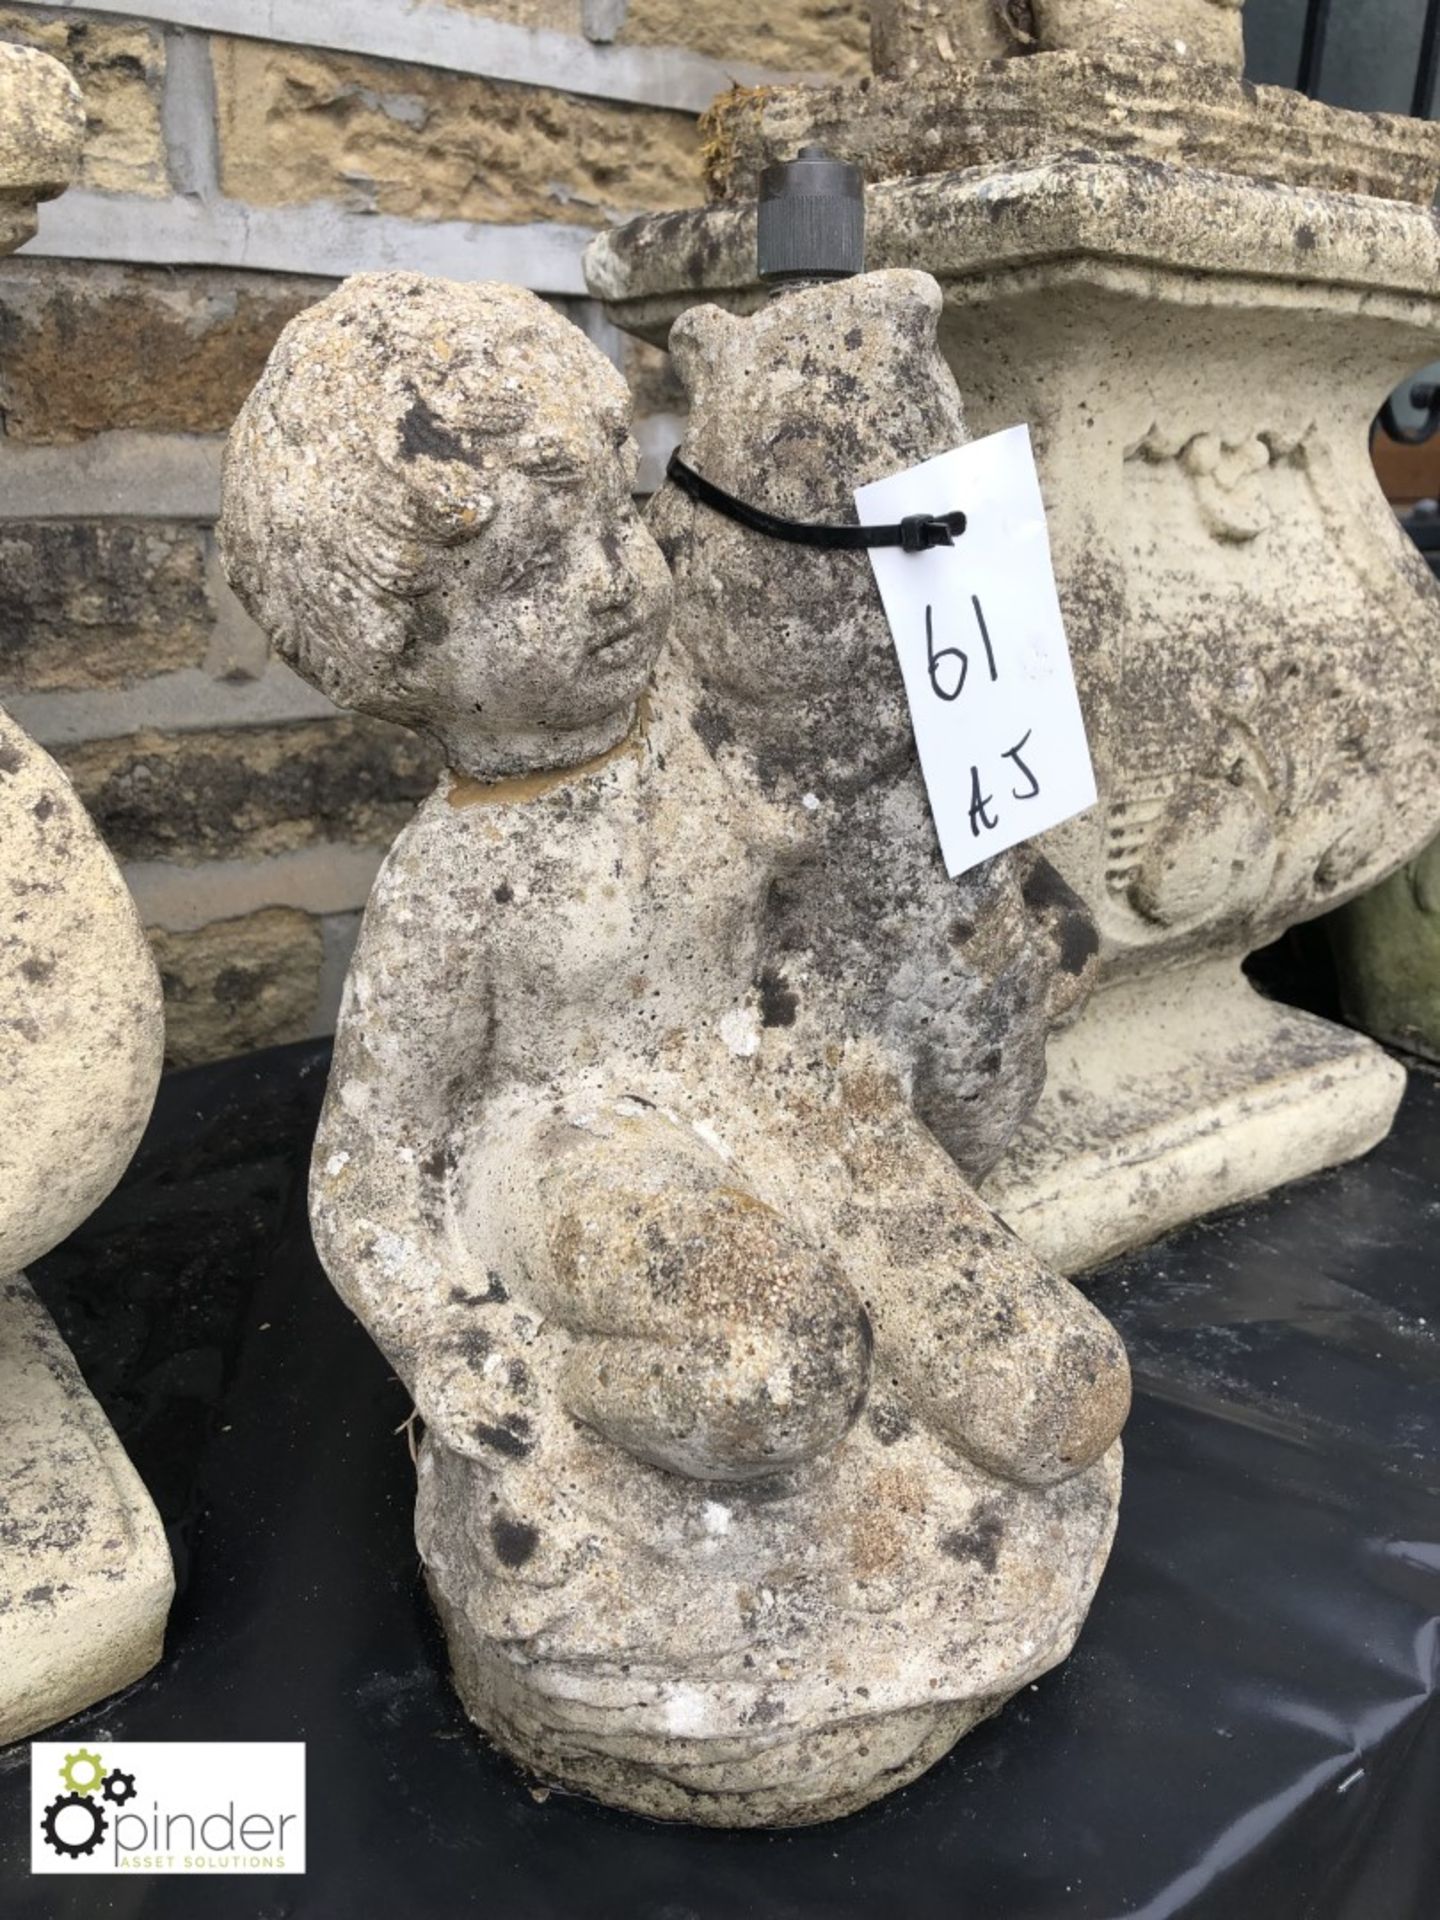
{"x": 1177, "y": 1094}
{"x": 85, "y": 1573}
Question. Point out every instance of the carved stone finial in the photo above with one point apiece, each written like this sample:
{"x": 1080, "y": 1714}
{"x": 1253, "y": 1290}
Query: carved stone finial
{"x": 85, "y": 1576}
{"x": 42, "y": 124}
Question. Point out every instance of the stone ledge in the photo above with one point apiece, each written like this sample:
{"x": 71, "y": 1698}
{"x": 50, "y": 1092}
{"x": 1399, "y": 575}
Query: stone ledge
{"x": 129, "y": 476}
{"x": 251, "y": 790}
{"x": 319, "y": 239}
{"x": 1115, "y": 213}
{"x": 327, "y": 880}
{"x": 459, "y": 41}
{"x": 187, "y": 701}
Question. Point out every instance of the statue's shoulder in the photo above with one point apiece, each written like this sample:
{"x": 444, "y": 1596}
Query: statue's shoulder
{"x": 467, "y": 848}
{"x": 443, "y": 842}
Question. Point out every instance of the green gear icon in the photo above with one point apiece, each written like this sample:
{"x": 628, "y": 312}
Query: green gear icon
{"x": 93, "y": 1771}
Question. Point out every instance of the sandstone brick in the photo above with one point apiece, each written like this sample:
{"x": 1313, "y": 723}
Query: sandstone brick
{"x": 652, "y": 379}
{"x": 88, "y": 348}
{"x": 559, "y": 16}
{"x": 86, "y": 603}
{"x": 297, "y": 126}
{"x": 235, "y": 985}
{"x": 120, "y": 65}
{"x": 251, "y": 790}
{"x": 804, "y": 36}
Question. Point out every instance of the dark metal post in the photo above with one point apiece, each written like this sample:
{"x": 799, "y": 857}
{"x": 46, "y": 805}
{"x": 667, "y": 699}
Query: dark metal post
{"x": 1312, "y": 46}
{"x": 811, "y": 220}
{"x": 1429, "y": 69}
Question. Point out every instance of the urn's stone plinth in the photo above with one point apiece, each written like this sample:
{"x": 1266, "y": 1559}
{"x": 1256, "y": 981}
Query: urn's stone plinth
{"x": 85, "y": 1576}
{"x": 1199, "y": 353}
{"x": 1110, "y": 101}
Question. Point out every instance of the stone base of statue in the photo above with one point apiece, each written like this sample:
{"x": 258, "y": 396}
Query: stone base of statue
{"x": 85, "y": 1576}
{"x": 661, "y": 1648}
{"x": 1178, "y": 1094}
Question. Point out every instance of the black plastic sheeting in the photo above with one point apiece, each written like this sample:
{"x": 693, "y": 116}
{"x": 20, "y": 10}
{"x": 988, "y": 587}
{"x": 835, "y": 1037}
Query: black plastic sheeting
{"x": 1248, "y": 1726}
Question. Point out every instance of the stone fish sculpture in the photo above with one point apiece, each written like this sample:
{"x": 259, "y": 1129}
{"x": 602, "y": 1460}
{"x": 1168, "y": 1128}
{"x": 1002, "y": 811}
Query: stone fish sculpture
{"x": 760, "y": 1461}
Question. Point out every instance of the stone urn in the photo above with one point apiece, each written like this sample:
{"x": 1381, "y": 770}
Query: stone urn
{"x": 85, "y": 1575}
{"x": 1196, "y": 292}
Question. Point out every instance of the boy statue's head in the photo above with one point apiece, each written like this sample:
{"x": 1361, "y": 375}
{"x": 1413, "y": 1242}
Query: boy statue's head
{"x": 427, "y": 505}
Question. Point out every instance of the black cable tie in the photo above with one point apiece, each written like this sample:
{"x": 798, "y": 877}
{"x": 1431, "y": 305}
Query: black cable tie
{"x": 916, "y": 533}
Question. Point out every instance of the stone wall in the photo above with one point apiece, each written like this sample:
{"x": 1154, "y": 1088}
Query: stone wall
{"x": 227, "y": 182}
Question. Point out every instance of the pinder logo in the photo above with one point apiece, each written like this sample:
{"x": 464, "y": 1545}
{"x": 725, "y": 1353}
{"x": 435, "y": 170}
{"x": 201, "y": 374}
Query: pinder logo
{"x": 75, "y": 1822}
{"x": 168, "y": 1807}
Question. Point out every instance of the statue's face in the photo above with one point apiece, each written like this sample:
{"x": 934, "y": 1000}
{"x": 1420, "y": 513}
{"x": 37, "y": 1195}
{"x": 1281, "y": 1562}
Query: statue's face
{"x": 552, "y": 618}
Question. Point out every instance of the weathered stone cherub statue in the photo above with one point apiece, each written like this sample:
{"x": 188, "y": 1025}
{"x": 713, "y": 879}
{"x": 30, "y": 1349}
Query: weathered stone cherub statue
{"x": 760, "y": 1461}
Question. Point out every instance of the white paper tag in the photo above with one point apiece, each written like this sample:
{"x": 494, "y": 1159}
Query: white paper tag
{"x": 982, "y": 647}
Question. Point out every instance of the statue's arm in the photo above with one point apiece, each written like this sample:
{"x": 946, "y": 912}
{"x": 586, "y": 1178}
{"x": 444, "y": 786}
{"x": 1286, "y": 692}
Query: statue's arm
{"x": 1007, "y": 1359}
{"x": 704, "y": 1331}
{"x": 415, "y": 1027}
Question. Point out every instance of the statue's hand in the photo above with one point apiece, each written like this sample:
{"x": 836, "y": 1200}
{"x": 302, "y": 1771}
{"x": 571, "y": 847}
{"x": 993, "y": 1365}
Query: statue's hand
{"x": 1009, "y": 1362}
{"x": 704, "y": 1332}
{"x": 711, "y": 1338}
{"x": 475, "y": 1392}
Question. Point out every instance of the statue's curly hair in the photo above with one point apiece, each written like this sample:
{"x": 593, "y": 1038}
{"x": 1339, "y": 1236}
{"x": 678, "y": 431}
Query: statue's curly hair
{"x": 366, "y": 444}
